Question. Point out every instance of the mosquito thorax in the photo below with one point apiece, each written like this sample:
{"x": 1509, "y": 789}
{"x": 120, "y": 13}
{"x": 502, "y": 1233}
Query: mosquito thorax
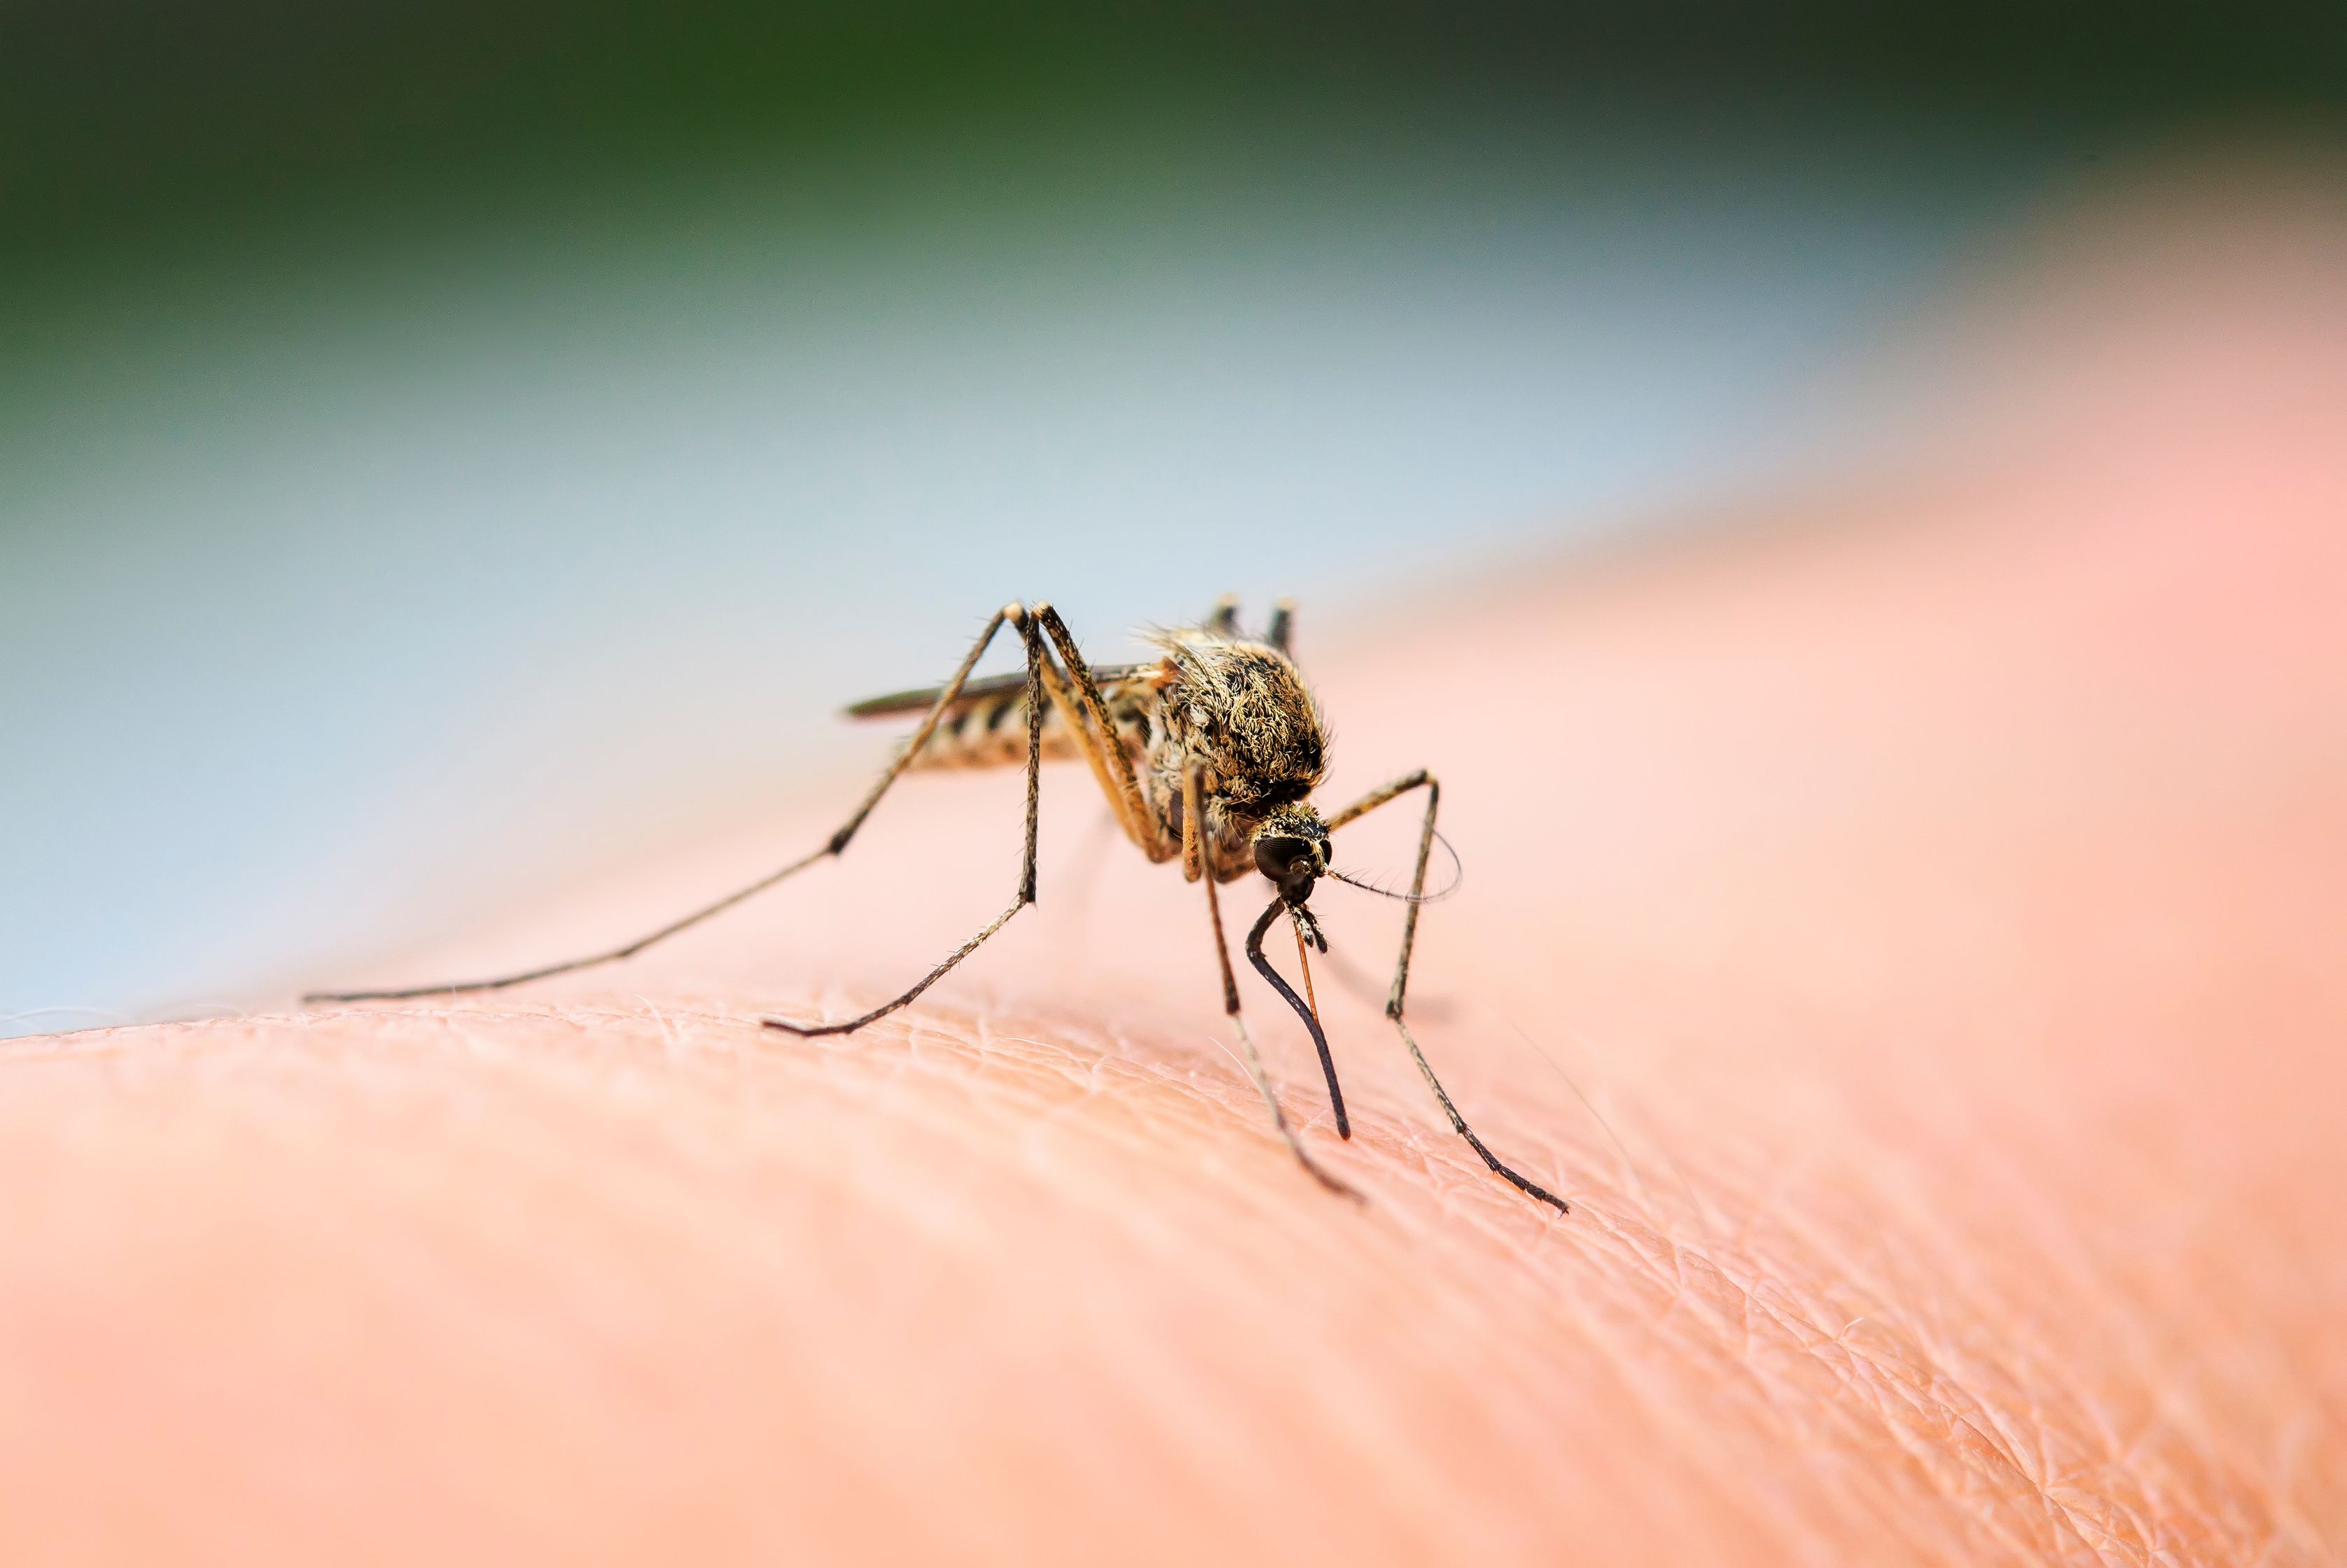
{"x": 1234, "y": 712}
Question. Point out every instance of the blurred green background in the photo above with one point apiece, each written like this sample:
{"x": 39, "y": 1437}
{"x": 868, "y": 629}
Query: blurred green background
{"x": 443, "y": 448}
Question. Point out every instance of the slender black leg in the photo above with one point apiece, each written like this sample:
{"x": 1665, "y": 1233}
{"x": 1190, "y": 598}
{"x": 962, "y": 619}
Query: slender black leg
{"x": 1368, "y": 803}
{"x": 1026, "y": 895}
{"x": 836, "y": 843}
{"x": 1190, "y": 807}
{"x": 1311, "y": 1021}
{"x": 1085, "y": 713}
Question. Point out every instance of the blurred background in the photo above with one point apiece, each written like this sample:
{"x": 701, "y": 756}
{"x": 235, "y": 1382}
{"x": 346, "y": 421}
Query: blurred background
{"x": 445, "y": 449}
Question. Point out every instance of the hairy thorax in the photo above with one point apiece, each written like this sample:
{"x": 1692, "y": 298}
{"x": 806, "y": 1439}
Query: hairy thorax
{"x": 1239, "y": 711}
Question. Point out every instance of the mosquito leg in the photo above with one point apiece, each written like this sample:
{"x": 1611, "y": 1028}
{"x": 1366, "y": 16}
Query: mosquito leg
{"x": 1320, "y": 1039}
{"x": 1458, "y": 1124}
{"x": 836, "y": 843}
{"x": 1380, "y": 795}
{"x": 1026, "y": 895}
{"x": 1283, "y": 624}
{"x": 1191, "y": 795}
{"x": 1102, "y": 741}
{"x": 1368, "y": 803}
{"x": 1131, "y": 811}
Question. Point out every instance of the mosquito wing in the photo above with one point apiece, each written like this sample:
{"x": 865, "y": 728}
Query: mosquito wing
{"x": 987, "y": 724}
{"x": 983, "y": 692}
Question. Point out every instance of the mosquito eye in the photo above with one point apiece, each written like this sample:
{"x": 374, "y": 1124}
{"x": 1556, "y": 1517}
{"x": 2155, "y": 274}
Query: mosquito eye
{"x": 1279, "y": 858}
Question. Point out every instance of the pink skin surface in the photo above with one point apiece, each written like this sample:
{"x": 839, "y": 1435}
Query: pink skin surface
{"x": 1912, "y": 934}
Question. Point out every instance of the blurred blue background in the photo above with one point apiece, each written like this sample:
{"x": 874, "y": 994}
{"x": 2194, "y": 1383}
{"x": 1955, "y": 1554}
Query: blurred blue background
{"x": 444, "y": 450}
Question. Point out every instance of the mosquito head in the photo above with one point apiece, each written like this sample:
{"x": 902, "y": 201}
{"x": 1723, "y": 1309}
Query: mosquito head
{"x": 1292, "y": 848}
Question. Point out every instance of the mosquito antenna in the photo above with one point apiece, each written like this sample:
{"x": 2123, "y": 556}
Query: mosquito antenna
{"x": 1457, "y": 875}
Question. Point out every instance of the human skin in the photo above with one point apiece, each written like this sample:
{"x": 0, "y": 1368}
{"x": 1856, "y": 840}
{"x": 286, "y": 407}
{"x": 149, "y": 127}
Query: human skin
{"x": 1911, "y": 934}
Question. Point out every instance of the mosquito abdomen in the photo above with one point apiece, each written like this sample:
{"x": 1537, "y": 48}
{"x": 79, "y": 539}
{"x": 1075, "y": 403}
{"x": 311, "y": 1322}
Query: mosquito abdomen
{"x": 986, "y": 726}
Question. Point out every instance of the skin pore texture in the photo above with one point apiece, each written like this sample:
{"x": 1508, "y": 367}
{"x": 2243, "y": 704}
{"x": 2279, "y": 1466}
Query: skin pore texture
{"x": 1909, "y": 928}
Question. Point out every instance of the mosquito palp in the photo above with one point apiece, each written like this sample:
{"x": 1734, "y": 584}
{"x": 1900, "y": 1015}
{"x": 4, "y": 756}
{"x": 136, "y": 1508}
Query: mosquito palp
{"x": 1209, "y": 754}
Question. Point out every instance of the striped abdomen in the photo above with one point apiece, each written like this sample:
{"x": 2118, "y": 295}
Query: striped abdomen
{"x": 986, "y": 726}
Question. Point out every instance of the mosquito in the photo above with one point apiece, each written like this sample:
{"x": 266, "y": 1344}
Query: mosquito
{"x": 1208, "y": 755}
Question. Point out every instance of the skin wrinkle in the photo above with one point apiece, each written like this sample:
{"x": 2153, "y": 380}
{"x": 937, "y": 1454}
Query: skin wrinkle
{"x": 583, "y": 1020}
{"x": 1993, "y": 1425}
{"x": 1942, "y": 1399}
{"x": 1749, "y": 1299}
